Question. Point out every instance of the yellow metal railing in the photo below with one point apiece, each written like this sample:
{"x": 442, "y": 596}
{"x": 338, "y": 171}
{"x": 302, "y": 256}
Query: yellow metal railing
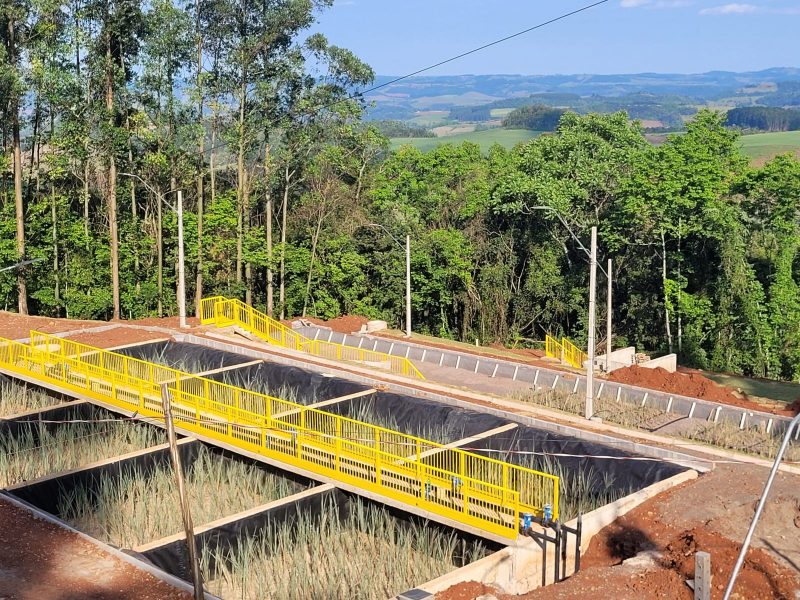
{"x": 553, "y": 349}
{"x": 475, "y": 490}
{"x": 565, "y": 351}
{"x": 224, "y": 312}
{"x": 573, "y": 355}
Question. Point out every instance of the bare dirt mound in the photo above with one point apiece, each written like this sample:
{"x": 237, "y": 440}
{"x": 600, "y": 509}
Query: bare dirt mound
{"x": 692, "y": 384}
{"x": 343, "y": 324}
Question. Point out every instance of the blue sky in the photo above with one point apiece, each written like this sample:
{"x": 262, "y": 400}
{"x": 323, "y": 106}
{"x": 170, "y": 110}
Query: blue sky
{"x": 621, "y": 36}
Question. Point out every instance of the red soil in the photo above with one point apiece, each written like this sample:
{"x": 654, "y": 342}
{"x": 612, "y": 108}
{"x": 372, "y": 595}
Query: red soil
{"x": 14, "y": 326}
{"x": 693, "y": 385}
{"x": 343, "y": 324}
{"x": 711, "y": 514}
{"x": 119, "y": 336}
{"x": 42, "y": 561}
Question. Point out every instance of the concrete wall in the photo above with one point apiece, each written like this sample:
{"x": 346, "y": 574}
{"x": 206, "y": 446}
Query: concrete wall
{"x": 517, "y": 569}
{"x": 668, "y": 362}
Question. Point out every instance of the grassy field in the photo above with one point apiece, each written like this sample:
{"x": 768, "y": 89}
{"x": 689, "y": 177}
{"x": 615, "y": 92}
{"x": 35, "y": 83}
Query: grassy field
{"x": 780, "y": 391}
{"x": 760, "y": 147}
{"x": 499, "y": 113}
{"x": 486, "y": 139}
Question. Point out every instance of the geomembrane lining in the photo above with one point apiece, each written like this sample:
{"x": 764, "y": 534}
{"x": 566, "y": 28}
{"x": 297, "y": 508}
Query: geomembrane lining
{"x": 413, "y": 415}
{"x": 180, "y": 355}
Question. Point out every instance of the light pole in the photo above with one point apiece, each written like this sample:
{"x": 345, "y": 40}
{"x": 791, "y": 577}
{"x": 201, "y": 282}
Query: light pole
{"x": 181, "y": 291}
{"x": 408, "y": 273}
{"x": 592, "y": 254}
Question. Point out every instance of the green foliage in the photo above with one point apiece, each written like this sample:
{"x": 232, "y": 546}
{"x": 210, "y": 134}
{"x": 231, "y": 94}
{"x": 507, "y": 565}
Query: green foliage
{"x": 536, "y": 118}
{"x": 705, "y": 248}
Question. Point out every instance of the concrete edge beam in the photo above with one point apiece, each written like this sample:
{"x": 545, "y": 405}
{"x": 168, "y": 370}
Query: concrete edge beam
{"x": 575, "y": 426}
{"x": 468, "y": 440}
{"x": 516, "y": 569}
{"x": 44, "y": 492}
{"x": 298, "y": 471}
{"x": 324, "y": 403}
{"x": 170, "y": 553}
{"x": 48, "y": 419}
{"x": 41, "y": 412}
{"x": 141, "y": 565}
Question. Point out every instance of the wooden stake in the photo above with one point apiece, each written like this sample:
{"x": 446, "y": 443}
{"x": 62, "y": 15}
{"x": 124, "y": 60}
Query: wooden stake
{"x": 702, "y": 576}
{"x": 191, "y": 545}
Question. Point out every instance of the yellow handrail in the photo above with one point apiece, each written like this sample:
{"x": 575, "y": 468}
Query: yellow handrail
{"x": 475, "y": 490}
{"x": 224, "y": 312}
{"x": 553, "y": 349}
{"x": 573, "y": 355}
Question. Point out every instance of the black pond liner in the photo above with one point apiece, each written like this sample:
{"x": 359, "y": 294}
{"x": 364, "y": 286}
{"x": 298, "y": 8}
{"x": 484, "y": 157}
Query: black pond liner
{"x": 411, "y": 415}
{"x": 300, "y": 385}
{"x": 47, "y": 494}
{"x": 526, "y": 446}
{"x": 51, "y": 419}
{"x": 172, "y": 557}
{"x": 177, "y": 354}
{"x": 415, "y": 416}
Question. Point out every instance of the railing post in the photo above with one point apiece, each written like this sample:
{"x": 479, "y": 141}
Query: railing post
{"x": 378, "y": 456}
{"x": 338, "y": 443}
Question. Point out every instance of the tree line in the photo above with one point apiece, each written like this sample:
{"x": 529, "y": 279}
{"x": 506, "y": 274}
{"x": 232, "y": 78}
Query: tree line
{"x": 295, "y": 205}
{"x": 764, "y": 118}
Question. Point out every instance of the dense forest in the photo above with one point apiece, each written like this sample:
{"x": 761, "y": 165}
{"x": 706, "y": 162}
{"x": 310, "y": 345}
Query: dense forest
{"x": 294, "y": 204}
{"x": 536, "y": 117}
{"x": 764, "y": 118}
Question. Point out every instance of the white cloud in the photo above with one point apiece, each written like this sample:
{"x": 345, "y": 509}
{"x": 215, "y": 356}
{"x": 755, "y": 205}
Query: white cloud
{"x": 654, "y": 3}
{"x": 730, "y": 9}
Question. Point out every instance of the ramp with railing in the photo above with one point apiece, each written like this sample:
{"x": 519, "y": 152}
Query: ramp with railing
{"x": 226, "y": 312}
{"x": 565, "y": 351}
{"x": 480, "y": 492}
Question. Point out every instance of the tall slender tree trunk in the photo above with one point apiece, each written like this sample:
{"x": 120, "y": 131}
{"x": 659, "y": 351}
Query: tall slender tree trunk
{"x": 667, "y": 326}
{"x": 112, "y": 177}
{"x": 22, "y": 289}
{"x": 240, "y": 175}
{"x": 212, "y": 158}
{"x": 201, "y": 152}
{"x": 160, "y": 251}
{"x": 284, "y": 209}
{"x": 54, "y": 218}
{"x": 314, "y": 240}
{"x": 268, "y": 227}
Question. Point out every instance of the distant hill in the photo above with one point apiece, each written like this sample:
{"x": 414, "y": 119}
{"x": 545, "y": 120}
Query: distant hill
{"x": 402, "y": 100}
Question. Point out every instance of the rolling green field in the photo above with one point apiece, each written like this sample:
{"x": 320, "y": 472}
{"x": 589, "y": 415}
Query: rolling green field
{"x": 763, "y": 146}
{"x": 499, "y": 113}
{"x": 486, "y": 139}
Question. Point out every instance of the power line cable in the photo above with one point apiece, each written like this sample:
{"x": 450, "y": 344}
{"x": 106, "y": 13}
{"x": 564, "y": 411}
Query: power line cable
{"x": 485, "y": 46}
{"x": 374, "y": 88}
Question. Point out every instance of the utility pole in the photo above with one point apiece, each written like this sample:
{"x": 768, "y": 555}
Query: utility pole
{"x": 181, "y": 272}
{"x": 191, "y": 545}
{"x": 408, "y": 286}
{"x": 608, "y": 319}
{"x": 592, "y": 295}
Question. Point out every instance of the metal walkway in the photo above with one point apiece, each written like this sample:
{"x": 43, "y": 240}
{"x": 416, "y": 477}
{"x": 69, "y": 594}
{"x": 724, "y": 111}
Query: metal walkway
{"x": 479, "y": 492}
{"x": 224, "y": 312}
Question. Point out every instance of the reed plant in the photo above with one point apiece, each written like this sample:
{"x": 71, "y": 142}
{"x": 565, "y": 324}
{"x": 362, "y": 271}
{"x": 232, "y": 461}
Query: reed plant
{"x": 37, "y": 450}
{"x": 622, "y": 413}
{"x": 364, "y": 555}
{"x": 441, "y": 433}
{"x": 140, "y": 507}
{"x": 750, "y": 440}
{"x": 162, "y": 356}
{"x": 727, "y": 435}
{"x": 17, "y": 397}
{"x": 260, "y": 386}
{"x": 581, "y": 490}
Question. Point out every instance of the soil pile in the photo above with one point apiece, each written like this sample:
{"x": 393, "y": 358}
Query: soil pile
{"x": 693, "y": 385}
{"x": 343, "y": 324}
